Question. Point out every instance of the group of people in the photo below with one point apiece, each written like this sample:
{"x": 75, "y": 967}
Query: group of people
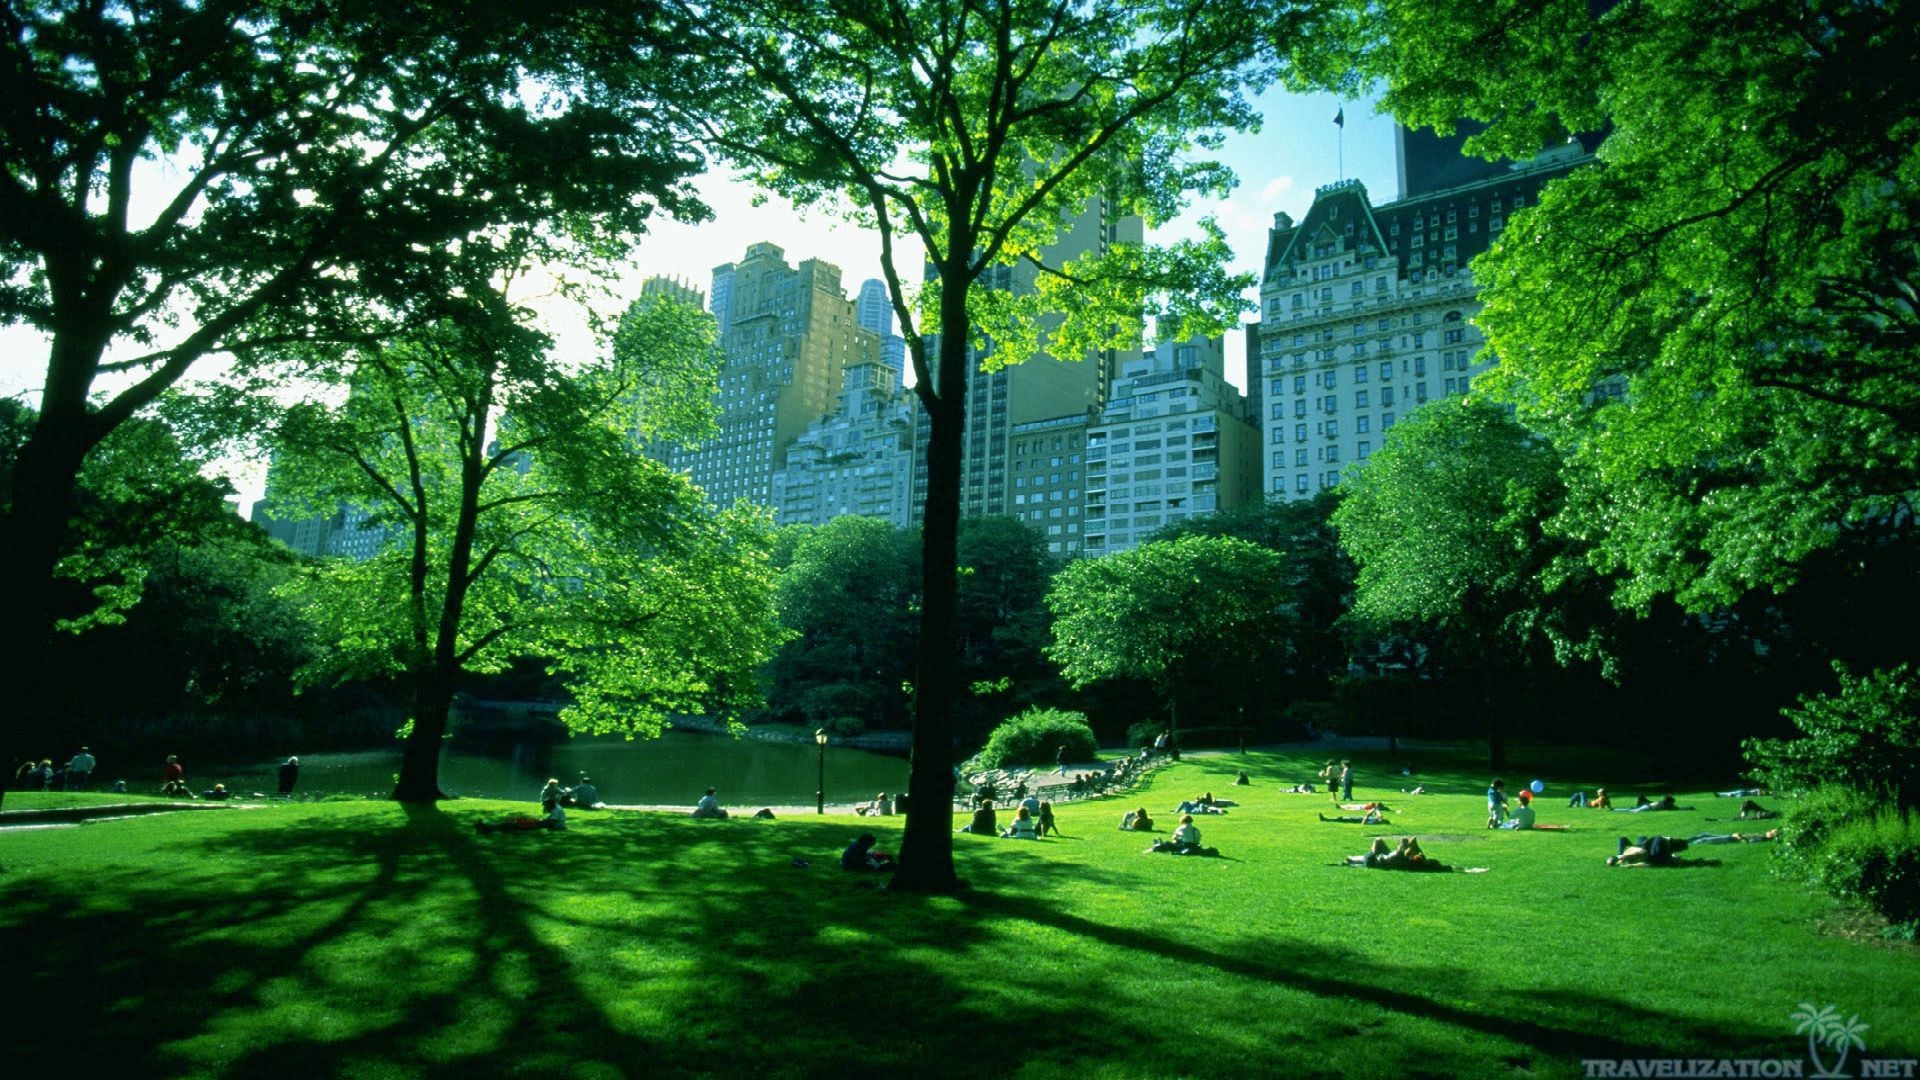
{"x": 1032, "y": 819}
{"x": 44, "y": 775}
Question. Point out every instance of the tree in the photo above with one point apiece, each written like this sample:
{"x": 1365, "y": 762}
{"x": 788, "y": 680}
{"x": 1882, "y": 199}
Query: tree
{"x": 968, "y": 135}
{"x": 1318, "y": 574}
{"x": 1445, "y": 525}
{"x": 1719, "y": 324}
{"x": 522, "y": 520}
{"x": 1167, "y": 612}
{"x": 186, "y": 179}
{"x": 848, "y": 595}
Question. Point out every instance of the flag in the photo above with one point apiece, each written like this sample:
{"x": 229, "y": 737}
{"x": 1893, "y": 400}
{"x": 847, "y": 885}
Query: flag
{"x": 1340, "y": 117}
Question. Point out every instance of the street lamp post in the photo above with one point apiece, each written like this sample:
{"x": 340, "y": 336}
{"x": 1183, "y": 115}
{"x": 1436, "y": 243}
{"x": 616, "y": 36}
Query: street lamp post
{"x": 820, "y": 793}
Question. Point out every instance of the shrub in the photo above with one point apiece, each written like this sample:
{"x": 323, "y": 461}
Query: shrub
{"x": 1034, "y": 738}
{"x": 1877, "y": 860}
{"x": 1810, "y": 822}
{"x": 1865, "y": 735}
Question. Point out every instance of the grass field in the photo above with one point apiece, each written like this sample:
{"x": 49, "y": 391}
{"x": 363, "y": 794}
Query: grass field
{"x": 347, "y": 938}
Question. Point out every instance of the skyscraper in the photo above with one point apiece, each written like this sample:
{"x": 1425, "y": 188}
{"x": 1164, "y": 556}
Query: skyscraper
{"x": 876, "y": 314}
{"x": 1041, "y": 388}
{"x": 789, "y": 333}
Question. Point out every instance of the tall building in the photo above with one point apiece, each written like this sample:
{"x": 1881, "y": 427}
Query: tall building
{"x": 1367, "y": 313}
{"x": 1174, "y": 441}
{"x": 790, "y": 333}
{"x": 674, "y": 288}
{"x": 859, "y": 460}
{"x": 876, "y": 314}
{"x": 722, "y": 293}
{"x": 1041, "y": 388}
{"x": 1048, "y": 469}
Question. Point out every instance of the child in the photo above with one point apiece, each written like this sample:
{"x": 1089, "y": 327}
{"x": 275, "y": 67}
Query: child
{"x": 1497, "y": 804}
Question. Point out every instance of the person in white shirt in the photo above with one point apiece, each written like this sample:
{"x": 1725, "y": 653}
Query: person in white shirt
{"x": 1022, "y": 827}
{"x": 1522, "y": 816}
{"x": 708, "y": 806}
{"x": 79, "y": 769}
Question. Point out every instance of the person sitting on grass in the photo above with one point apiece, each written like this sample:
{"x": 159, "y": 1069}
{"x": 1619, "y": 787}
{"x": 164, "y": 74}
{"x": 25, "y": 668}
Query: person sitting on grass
{"x": 1736, "y": 838}
{"x": 860, "y": 856}
{"x": 1373, "y": 815}
{"x": 881, "y": 806}
{"x": 552, "y": 817}
{"x": 1136, "y": 821}
{"x": 1647, "y": 851}
{"x": 1664, "y": 802}
{"x": 584, "y": 795}
{"x": 173, "y": 779}
{"x": 1047, "y": 824}
{"x": 709, "y": 806}
{"x": 219, "y": 792}
{"x": 1185, "y": 841}
{"x": 1600, "y": 801}
{"x": 1022, "y": 828}
{"x": 985, "y": 822}
{"x": 1241, "y": 780}
{"x": 1753, "y": 811}
{"x": 1523, "y": 816}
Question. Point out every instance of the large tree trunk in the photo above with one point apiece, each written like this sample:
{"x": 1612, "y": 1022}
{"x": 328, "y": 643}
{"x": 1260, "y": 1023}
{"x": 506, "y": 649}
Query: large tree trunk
{"x": 420, "y": 760}
{"x": 926, "y": 848}
{"x": 33, "y": 537}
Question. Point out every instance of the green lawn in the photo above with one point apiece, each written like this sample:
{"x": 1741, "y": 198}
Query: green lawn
{"x": 370, "y": 939}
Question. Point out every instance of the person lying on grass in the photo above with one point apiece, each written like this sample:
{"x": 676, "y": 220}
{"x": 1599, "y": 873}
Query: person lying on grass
{"x": 553, "y": 816}
{"x": 1299, "y": 789}
{"x": 1735, "y": 838}
{"x": 1742, "y": 793}
{"x": 1373, "y": 816}
{"x": 860, "y": 856}
{"x": 1022, "y": 828}
{"x": 1407, "y": 856}
{"x": 1600, "y": 801}
{"x": 1647, "y": 851}
{"x": 1753, "y": 811}
{"x": 1185, "y": 841}
{"x": 1664, "y": 802}
{"x": 1136, "y": 821}
{"x": 1375, "y": 805}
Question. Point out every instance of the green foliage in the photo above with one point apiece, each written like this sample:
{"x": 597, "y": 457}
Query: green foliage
{"x": 1810, "y": 823}
{"x": 1163, "y": 610}
{"x": 1035, "y": 737}
{"x": 1718, "y": 325}
{"x": 1875, "y": 859}
{"x": 848, "y": 594}
{"x": 522, "y": 521}
{"x": 1865, "y": 736}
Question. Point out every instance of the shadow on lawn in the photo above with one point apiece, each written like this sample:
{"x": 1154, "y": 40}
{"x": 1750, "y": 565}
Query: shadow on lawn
{"x": 657, "y": 944}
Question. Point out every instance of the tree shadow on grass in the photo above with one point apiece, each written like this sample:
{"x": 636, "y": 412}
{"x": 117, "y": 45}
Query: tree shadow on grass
{"x": 652, "y": 943}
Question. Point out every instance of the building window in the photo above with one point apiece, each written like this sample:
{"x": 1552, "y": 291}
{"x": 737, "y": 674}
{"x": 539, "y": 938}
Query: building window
{"x": 1360, "y": 399}
{"x": 1300, "y": 479}
{"x": 1360, "y": 424}
{"x": 1299, "y": 407}
{"x": 1386, "y": 370}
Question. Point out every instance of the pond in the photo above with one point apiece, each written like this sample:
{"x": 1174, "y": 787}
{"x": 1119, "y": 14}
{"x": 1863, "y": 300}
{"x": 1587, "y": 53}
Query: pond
{"x": 671, "y": 770}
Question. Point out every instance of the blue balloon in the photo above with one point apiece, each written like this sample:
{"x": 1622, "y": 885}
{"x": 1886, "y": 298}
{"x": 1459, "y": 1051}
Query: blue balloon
{"x": 1537, "y": 787}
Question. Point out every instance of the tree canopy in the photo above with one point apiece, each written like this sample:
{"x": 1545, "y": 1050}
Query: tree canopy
{"x": 185, "y": 179}
{"x": 1719, "y": 322}
{"x": 521, "y": 520}
{"x": 1167, "y": 611}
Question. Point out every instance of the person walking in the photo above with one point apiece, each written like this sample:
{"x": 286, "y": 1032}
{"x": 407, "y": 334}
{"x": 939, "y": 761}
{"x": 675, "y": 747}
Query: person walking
{"x": 1060, "y": 759}
{"x": 1346, "y": 781}
{"x": 289, "y": 775}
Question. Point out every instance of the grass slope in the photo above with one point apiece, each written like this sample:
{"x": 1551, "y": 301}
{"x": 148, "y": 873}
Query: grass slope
{"x": 371, "y": 939}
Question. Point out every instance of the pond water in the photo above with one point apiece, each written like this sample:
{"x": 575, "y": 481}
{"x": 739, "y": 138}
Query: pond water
{"x": 671, "y": 770}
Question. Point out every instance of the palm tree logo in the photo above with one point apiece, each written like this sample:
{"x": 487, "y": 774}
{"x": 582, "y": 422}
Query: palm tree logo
{"x": 1824, "y": 1026}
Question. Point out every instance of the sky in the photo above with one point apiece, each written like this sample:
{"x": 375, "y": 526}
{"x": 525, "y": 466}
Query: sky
{"x": 1297, "y": 149}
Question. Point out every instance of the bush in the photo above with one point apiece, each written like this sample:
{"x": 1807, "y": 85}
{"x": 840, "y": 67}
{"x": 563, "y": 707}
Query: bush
{"x": 1034, "y": 738}
{"x": 1866, "y": 735}
{"x": 1810, "y": 822}
{"x": 1877, "y": 860}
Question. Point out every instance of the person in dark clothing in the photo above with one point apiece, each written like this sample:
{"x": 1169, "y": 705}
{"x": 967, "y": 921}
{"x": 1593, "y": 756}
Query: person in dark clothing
{"x": 1647, "y": 851}
{"x": 289, "y": 775}
{"x": 985, "y": 822}
{"x": 860, "y": 856}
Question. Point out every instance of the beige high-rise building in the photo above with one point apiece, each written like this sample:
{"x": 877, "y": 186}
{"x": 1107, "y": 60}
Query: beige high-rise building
{"x": 789, "y": 333}
{"x": 1367, "y": 314}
